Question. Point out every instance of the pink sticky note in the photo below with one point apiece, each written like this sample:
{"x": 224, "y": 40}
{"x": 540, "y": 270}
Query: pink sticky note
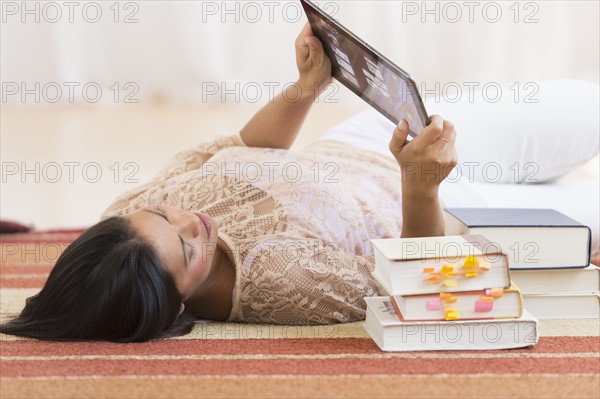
{"x": 434, "y": 304}
{"x": 483, "y": 306}
{"x": 488, "y": 292}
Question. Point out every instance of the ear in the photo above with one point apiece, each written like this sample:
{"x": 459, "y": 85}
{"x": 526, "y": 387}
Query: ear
{"x": 181, "y": 309}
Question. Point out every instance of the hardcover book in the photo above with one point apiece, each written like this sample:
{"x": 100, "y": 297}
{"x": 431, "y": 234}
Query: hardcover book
{"x": 391, "y": 334}
{"x": 486, "y": 304}
{"x": 564, "y": 305}
{"x": 557, "y": 280}
{"x": 406, "y": 266}
{"x": 531, "y": 238}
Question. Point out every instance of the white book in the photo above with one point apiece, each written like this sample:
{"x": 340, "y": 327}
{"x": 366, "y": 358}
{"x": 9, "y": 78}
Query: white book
{"x": 391, "y": 334}
{"x": 467, "y": 305}
{"x": 407, "y": 266}
{"x": 561, "y": 305}
{"x": 557, "y": 280}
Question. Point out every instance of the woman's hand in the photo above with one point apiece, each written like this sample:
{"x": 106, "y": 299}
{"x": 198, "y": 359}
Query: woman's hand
{"x": 313, "y": 64}
{"x": 277, "y": 123}
{"x": 429, "y": 158}
{"x": 424, "y": 163}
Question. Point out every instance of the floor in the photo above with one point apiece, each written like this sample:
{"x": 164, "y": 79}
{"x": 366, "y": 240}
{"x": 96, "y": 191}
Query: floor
{"x": 63, "y": 165}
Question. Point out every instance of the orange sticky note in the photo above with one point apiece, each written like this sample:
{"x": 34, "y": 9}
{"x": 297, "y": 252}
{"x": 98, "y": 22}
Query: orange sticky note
{"x": 448, "y": 298}
{"x": 428, "y": 269}
{"x": 497, "y": 292}
{"x": 484, "y": 265}
{"x": 487, "y": 298}
{"x": 445, "y": 295}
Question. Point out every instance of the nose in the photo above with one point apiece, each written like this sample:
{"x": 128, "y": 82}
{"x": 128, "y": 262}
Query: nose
{"x": 188, "y": 225}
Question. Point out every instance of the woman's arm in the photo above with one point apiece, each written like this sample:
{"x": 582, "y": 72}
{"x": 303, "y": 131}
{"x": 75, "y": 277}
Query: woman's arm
{"x": 424, "y": 163}
{"x": 277, "y": 124}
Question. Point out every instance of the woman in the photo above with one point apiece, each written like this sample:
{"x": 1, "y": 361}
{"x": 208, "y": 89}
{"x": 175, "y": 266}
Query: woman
{"x": 240, "y": 229}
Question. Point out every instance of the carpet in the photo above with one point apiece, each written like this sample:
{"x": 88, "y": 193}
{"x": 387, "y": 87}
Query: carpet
{"x": 265, "y": 361}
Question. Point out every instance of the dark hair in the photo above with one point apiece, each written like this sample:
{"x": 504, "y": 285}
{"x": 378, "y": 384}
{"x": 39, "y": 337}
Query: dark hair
{"x": 109, "y": 284}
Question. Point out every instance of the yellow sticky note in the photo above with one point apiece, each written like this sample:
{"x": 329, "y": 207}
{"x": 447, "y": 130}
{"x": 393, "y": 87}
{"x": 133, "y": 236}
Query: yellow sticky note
{"x": 470, "y": 262}
{"x": 471, "y": 273}
{"x": 452, "y": 315}
{"x": 447, "y": 269}
{"x": 450, "y": 284}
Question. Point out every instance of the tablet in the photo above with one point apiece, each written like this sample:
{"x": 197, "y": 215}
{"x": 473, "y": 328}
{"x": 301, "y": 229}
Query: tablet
{"x": 367, "y": 73}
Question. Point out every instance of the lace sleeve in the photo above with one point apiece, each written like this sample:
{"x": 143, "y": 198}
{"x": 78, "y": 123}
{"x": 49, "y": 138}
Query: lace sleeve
{"x": 185, "y": 161}
{"x": 303, "y": 281}
{"x": 193, "y": 158}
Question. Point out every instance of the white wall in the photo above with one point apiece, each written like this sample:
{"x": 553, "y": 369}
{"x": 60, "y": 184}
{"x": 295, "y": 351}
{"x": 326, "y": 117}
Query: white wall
{"x": 177, "y": 50}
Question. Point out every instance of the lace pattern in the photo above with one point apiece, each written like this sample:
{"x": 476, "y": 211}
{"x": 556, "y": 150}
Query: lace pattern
{"x": 299, "y": 233}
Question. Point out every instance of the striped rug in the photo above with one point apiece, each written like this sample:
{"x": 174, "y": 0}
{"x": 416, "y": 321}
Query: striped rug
{"x": 264, "y": 361}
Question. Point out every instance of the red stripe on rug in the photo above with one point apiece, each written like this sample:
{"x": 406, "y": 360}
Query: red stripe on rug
{"x": 366, "y": 366}
{"x": 259, "y": 346}
{"x": 25, "y": 268}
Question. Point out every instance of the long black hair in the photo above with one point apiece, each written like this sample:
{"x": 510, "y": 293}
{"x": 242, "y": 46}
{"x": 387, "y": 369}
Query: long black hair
{"x": 110, "y": 285}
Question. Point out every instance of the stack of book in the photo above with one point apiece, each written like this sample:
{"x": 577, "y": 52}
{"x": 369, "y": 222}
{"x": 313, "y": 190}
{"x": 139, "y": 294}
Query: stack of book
{"x": 446, "y": 293}
{"x": 549, "y": 257}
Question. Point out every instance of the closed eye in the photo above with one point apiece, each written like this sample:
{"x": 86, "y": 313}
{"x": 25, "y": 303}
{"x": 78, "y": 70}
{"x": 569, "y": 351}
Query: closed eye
{"x": 157, "y": 210}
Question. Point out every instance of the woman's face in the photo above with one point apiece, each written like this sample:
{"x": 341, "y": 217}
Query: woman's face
{"x": 186, "y": 242}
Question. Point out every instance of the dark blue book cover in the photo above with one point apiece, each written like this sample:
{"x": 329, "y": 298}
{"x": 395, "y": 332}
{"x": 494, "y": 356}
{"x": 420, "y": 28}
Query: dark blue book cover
{"x": 549, "y": 220}
{"x": 512, "y": 217}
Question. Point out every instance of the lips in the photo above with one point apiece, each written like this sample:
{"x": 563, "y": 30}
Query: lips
{"x": 206, "y": 222}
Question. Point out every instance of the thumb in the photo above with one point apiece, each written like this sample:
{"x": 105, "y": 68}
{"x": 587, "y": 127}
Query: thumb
{"x": 315, "y": 47}
{"x": 399, "y": 137}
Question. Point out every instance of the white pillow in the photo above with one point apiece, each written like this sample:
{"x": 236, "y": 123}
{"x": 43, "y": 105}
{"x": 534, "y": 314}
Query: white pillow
{"x": 516, "y": 140}
{"x": 547, "y": 139}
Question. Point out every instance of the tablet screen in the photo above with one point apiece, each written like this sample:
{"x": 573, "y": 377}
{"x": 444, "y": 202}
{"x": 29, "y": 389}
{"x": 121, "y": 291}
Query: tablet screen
{"x": 368, "y": 74}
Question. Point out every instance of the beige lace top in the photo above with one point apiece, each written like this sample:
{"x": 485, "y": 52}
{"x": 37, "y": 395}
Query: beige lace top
{"x": 298, "y": 223}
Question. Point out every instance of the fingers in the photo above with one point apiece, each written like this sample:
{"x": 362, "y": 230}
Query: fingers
{"x": 312, "y": 62}
{"x": 306, "y": 31}
{"x": 316, "y": 49}
{"x": 311, "y": 49}
{"x": 431, "y": 155}
{"x": 399, "y": 137}
{"x": 301, "y": 45}
{"x": 431, "y": 132}
{"x": 447, "y": 136}
{"x": 448, "y": 132}
{"x": 438, "y": 131}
